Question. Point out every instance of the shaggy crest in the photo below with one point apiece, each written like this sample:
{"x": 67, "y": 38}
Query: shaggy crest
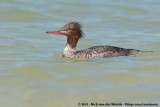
{"x": 75, "y": 26}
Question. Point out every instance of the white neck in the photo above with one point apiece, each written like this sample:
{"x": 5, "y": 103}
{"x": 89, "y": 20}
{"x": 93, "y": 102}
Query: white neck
{"x": 68, "y": 51}
{"x": 68, "y": 48}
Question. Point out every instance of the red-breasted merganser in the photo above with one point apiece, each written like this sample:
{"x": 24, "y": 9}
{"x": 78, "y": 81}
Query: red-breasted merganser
{"x": 73, "y": 32}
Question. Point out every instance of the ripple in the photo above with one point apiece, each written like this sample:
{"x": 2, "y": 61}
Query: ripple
{"x": 33, "y": 72}
{"x": 18, "y": 12}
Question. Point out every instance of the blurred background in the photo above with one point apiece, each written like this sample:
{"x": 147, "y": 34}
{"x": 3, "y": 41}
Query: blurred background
{"x": 33, "y": 73}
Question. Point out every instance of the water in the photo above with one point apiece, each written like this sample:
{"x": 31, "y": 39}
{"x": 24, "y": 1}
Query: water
{"x": 33, "y": 73}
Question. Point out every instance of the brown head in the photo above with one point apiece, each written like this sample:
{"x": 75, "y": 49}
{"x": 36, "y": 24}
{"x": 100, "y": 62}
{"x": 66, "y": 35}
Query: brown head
{"x": 73, "y": 32}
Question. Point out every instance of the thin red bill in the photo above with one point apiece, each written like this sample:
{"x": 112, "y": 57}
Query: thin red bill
{"x": 56, "y": 33}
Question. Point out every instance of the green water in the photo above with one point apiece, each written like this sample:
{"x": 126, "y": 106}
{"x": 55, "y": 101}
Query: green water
{"x": 33, "y": 73}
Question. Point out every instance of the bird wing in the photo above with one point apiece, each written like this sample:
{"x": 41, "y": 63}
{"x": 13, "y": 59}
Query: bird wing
{"x": 104, "y": 52}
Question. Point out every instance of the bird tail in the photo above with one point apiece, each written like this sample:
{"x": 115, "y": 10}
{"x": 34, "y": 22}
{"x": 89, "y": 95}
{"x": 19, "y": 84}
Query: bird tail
{"x": 145, "y": 51}
{"x": 141, "y": 52}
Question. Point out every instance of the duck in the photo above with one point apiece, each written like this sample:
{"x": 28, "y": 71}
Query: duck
{"x": 73, "y": 32}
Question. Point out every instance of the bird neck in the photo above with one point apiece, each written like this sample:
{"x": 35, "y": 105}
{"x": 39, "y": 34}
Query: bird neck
{"x": 69, "y": 48}
{"x": 72, "y": 42}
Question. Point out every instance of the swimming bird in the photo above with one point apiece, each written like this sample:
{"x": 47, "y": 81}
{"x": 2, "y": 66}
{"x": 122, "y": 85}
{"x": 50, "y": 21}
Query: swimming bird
{"x": 73, "y": 32}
